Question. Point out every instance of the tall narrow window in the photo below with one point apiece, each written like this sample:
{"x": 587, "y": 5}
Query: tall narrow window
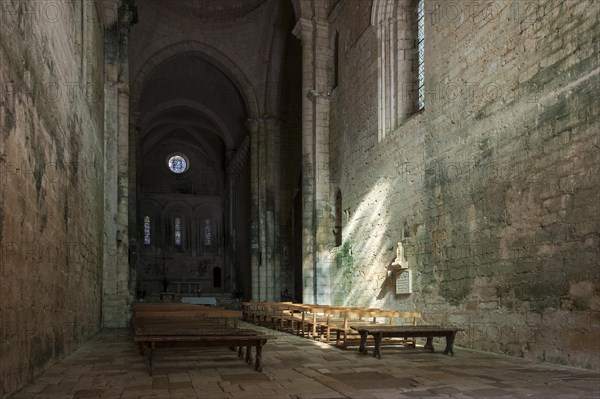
{"x": 421, "y": 54}
{"x": 207, "y": 233}
{"x": 338, "y": 218}
{"x": 146, "y": 230}
{"x": 336, "y": 59}
{"x": 178, "y": 231}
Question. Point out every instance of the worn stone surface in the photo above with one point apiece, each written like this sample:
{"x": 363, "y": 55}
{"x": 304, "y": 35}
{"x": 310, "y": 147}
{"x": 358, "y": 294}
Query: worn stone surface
{"x": 493, "y": 189}
{"x": 51, "y": 193}
{"x": 110, "y": 366}
{"x": 62, "y": 103}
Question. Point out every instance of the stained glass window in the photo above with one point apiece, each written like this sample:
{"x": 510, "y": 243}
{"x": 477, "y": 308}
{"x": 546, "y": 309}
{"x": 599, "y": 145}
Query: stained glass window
{"x": 146, "y": 230}
{"x": 178, "y": 164}
{"x": 207, "y": 233}
{"x": 178, "y": 231}
{"x": 421, "y": 53}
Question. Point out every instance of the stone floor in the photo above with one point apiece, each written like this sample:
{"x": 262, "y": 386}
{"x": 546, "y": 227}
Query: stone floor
{"x": 109, "y": 366}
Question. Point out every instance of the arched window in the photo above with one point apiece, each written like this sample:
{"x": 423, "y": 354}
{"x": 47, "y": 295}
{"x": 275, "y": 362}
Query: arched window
{"x": 177, "y": 230}
{"x": 400, "y": 61}
{"x": 207, "y": 233}
{"x": 338, "y": 218}
{"x": 336, "y": 59}
{"x": 421, "y": 54}
{"x": 146, "y": 230}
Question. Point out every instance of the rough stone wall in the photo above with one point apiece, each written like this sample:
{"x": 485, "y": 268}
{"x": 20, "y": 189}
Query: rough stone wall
{"x": 494, "y": 188}
{"x": 51, "y": 191}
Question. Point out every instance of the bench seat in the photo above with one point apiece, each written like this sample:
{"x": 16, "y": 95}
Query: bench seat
{"x": 403, "y": 331}
{"x": 186, "y": 325}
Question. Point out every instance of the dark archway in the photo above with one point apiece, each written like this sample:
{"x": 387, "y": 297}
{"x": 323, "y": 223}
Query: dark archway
{"x": 191, "y": 125}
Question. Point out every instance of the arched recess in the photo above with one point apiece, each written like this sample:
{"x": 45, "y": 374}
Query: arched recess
{"x": 396, "y": 24}
{"x": 202, "y": 126}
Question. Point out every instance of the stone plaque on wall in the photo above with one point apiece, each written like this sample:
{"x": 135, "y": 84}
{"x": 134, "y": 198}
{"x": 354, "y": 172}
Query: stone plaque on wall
{"x": 404, "y": 282}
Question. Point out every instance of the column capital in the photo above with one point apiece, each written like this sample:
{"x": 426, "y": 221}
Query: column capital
{"x": 252, "y": 125}
{"x": 319, "y": 97}
{"x": 303, "y": 29}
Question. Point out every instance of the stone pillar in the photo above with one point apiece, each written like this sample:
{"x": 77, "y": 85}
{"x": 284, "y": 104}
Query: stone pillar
{"x": 273, "y": 207}
{"x": 116, "y": 298}
{"x": 266, "y": 241}
{"x": 236, "y": 164}
{"x": 324, "y": 225}
{"x": 317, "y": 222}
{"x": 229, "y": 206}
{"x": 304, "y": 31}
{"x": 252, "y": 125}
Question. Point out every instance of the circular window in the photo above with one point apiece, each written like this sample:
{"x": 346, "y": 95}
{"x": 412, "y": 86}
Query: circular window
{"x": 178, "y": 163}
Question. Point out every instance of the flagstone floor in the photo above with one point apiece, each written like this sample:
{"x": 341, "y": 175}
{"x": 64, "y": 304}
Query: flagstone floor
{"x": 110, "y": 367}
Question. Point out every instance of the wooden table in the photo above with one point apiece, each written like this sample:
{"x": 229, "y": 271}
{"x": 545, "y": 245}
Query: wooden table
{"x": 390, "y": 331}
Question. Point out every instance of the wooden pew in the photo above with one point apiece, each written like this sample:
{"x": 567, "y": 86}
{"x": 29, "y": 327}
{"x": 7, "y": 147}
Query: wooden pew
{"x": 346, "y": 336}
{"x": 325, "y": 322}
{"x": 193, "y": 326}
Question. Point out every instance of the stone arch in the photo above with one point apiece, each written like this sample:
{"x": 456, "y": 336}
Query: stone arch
{"x": 382, "y": 10}
{"x": 221, "y": 130}
{"x": 163, "y": 50}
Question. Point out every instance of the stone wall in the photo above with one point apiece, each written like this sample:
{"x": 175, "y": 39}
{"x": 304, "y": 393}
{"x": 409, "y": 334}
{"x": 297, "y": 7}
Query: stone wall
{"x": 51, "y": 191}
{"x": 493, "y": 189}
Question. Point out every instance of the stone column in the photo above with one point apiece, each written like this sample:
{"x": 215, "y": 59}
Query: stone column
{"x": 265, "y": 230}
{"x": 324, "y": 225}
{"x": 317, "y": 222}
{"x": 116, "y": 298}
{"x": 304, "y": 30}
{"x": 272, "y": 207}
{"x": 252, "y": 125}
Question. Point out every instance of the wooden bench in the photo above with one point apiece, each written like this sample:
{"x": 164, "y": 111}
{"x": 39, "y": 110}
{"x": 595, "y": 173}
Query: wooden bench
{"x": 187, "y": 326}
{"x": 326, "y": 322}
{"x": 403, "y": 331}
{"x": 263, "y": 313}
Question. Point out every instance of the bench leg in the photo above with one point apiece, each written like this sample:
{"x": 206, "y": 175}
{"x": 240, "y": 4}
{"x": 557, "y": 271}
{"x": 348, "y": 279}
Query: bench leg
{"x": 240, "y": 354}
{"x": 429, "y": 344}
{"x": 377, "y": 350}
{"x": 150, "y": 359}
{"x": 248, "y": 354}
{"x": 258, "y": 364}
{"x": 363, "y": 342}
{"x": 450, "y": 344}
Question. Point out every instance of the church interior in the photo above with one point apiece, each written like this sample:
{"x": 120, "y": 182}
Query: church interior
{"x": 439, "y": 157}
